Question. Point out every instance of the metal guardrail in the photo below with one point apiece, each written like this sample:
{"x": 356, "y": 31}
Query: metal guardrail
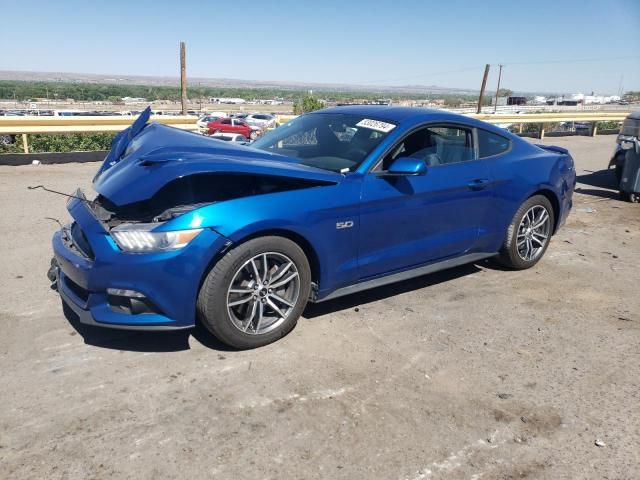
{"x": 552, "y": 117}
{"x": 17, "y": 125}
{"x": 91, "y": 124}
{"x": 545, "y": 118}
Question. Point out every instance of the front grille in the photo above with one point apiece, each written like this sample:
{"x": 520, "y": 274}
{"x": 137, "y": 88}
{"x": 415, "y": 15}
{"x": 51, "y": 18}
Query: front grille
{"x": 77, "y": 290}
{"x": 80, "y": 241}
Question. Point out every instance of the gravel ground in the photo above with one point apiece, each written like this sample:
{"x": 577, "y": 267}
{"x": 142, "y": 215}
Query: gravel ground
{"x": 471, "y": 373}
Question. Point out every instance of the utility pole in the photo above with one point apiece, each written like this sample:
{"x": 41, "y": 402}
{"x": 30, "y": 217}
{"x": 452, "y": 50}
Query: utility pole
{"x": 484, "y": 84}
{"x": 495, "y": 107}
{"x": 620, "y": 86}
{"x": 183, "y": 77}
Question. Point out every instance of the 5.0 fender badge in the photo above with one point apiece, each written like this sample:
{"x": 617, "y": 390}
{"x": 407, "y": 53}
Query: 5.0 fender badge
{"x": 346, "y": 224}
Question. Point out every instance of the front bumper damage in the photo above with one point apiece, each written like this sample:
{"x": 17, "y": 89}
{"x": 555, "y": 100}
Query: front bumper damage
{"x": 94, "y": 277}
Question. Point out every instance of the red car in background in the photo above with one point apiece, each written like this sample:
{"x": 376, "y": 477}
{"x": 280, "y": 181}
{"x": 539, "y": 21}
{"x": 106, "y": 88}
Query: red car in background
{"x": 233, "y": 125}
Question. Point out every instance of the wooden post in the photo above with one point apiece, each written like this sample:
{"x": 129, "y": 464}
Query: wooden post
{"x": 594, "y": 129}
{"x": 495, "y": 107}
{"x": 484, "y": 84}
{"x": 541, "y": 136}
{"x": 520, "y": 128}
{"x": 25, "y": 143}
{"x": 183, "y": 77}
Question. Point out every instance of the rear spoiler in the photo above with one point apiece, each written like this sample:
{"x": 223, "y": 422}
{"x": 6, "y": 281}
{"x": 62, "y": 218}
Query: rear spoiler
{"x": 553, "y": 148}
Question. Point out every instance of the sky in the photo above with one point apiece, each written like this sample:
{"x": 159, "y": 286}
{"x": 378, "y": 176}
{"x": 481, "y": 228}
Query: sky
{"x": 560, "y": 46}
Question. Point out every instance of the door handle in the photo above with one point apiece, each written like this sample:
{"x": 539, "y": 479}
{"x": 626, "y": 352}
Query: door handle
{"x": 478, "y": 184}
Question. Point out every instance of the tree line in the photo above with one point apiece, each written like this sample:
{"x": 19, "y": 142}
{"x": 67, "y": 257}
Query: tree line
{"x": 28, "y": 90}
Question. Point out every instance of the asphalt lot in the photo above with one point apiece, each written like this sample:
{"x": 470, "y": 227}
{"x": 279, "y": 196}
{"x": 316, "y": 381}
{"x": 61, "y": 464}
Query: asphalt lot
{"x": 471, "y": 373}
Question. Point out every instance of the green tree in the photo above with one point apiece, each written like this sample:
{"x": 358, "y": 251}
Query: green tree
{"x": 308, "y": 104}
{"x": 505, "y": 92}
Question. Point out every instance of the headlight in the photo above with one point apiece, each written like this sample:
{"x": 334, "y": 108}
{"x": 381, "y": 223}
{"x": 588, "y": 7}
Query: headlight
{"x": 139, "y": 237}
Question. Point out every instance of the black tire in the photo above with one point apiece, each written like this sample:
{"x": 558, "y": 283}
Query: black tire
{"x": 509, "y": 256}
{"x": 212, "y": 308}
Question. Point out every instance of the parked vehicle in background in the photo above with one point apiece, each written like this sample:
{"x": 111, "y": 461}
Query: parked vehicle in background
{"x": 626, "y": 158}
{"x": 231, "y": 137}
{"x": 582, "y": 126}
{"x": 233, "y": 125}
{"x": 262, "y": 120}
{"x": 629, "y": 131}
{"x": 7, "y": 139}
{"x": 332, "y": 203}
{"x": 205, "y": 120}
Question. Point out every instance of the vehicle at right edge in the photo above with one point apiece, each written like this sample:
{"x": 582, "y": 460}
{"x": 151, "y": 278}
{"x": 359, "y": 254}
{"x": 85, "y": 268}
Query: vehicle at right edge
{"x": 626, "y": 158}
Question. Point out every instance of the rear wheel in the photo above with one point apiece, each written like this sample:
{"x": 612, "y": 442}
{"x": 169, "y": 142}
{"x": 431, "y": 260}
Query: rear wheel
{"x": 528, "y": 234}
{"x": 255, "y": 294}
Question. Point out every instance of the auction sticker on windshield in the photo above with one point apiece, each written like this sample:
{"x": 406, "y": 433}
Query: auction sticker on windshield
{"x": 376, "y": 125}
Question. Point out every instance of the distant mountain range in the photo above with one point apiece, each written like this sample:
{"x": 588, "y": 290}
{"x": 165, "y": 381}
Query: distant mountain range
{"x": 225, "y": 82}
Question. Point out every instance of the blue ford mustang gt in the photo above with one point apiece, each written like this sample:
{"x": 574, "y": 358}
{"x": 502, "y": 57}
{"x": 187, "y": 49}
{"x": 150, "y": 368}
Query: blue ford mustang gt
{"x": 186, "y": 227}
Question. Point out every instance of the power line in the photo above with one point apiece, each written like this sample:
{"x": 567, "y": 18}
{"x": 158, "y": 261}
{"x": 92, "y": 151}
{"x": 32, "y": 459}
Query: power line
{"x": 574, "y": 60}
{"x": 478, "y": 67}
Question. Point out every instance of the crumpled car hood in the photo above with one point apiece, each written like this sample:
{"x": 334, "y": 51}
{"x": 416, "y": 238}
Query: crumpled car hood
{"x": 160, "y": 154}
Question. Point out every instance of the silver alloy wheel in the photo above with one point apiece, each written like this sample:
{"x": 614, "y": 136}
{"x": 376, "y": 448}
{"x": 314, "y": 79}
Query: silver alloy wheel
{"x": 533, "y": 233}
{"x": 263, "y": 293}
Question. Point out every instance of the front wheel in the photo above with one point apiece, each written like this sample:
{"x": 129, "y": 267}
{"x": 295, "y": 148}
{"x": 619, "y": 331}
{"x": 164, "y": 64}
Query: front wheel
{"x": 255, "y": 294}
{"x": 253, "y": 135}
{"x": 528, "y": 234}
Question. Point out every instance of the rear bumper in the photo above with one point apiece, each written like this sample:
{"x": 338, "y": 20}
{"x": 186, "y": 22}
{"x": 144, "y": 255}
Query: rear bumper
{"x": 169, "y": 281}
{"x": 566, "y": 199}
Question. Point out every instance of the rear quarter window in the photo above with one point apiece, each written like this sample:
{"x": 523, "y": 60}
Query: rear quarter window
{"x": 490, "y": 144}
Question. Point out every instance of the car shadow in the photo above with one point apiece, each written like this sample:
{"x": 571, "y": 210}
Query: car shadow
{"x": 135, "y": 341}
{"x": 178, "y": 340}
{"x": 604, "y": 181}
{"x": 314, "y": 310}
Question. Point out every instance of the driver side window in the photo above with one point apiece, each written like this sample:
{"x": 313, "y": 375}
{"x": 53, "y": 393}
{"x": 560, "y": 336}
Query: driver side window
{"x": 435, "y": 145}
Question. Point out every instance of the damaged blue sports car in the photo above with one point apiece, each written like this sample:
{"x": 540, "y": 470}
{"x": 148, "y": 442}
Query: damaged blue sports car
{"x": 187, "y": 228}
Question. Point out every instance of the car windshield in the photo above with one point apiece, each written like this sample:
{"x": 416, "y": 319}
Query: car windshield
{"x": 331, "y": 141}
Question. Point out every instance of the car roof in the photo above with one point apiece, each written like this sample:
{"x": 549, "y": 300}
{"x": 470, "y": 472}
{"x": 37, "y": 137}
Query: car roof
{"x": 408, "y": 115}
{"x": 392, "y": 113}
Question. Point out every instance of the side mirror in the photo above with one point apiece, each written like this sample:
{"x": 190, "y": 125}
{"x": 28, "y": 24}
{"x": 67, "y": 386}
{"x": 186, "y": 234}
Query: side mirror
{"x": 407, "y": 166}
